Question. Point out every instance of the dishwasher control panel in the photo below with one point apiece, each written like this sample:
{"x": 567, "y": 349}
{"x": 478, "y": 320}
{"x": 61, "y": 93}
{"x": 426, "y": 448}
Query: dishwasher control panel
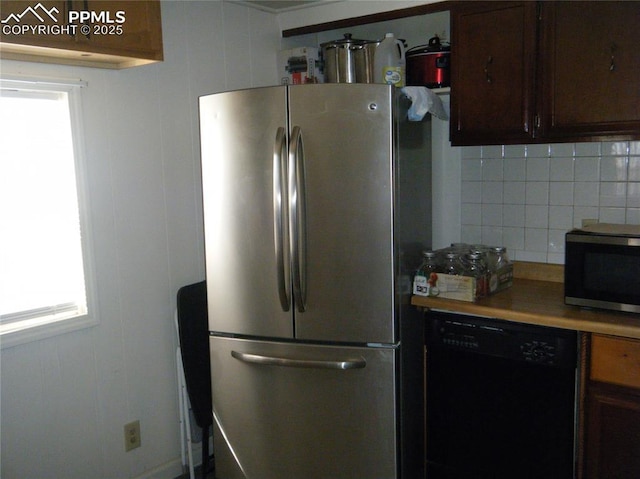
{"x": 506, "y": 339}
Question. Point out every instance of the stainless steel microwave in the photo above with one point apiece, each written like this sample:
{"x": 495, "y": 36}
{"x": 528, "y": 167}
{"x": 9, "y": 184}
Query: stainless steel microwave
{"x": 602, "y": 267}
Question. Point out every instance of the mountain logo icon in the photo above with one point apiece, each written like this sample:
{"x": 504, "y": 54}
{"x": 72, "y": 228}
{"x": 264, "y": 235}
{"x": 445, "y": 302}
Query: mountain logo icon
{"x": 39, "y": 11}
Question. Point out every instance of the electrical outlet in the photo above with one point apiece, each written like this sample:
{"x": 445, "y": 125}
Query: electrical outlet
{"x": 131, "y": 435}
{"x": 588, "y": 222}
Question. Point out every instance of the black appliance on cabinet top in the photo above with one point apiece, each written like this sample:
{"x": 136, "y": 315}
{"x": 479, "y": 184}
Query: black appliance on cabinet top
{"x": 500, "y": 399}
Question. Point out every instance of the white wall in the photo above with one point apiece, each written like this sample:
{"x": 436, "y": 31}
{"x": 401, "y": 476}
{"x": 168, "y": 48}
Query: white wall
{"x": 64, "y": 400}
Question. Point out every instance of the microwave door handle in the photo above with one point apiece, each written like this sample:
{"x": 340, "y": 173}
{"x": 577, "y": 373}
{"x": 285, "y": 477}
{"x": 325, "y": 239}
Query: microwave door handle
{"x": 280, "y": 221}
{"x": 297, "y": 217}
{"x": 351, "y": 363}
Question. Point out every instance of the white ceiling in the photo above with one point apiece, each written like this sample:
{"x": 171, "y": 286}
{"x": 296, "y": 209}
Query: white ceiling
{"x": 279, "y": 5}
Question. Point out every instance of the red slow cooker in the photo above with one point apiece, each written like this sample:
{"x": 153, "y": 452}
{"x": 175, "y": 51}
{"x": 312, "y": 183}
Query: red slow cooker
{"x": 429, "y": 65}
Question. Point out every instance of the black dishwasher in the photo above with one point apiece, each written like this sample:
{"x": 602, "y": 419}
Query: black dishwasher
{"x": 500, "y": 399}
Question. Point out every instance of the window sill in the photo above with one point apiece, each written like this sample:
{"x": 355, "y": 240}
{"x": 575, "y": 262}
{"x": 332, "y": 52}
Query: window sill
{"x": 15, "y": 334}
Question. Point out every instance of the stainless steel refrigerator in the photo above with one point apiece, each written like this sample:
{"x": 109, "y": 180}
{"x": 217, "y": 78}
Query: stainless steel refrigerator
{"x": 316, "y": 207}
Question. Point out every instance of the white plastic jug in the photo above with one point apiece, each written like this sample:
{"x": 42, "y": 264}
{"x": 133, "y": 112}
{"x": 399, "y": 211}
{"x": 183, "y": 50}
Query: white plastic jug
{"x": 389, "y": 62}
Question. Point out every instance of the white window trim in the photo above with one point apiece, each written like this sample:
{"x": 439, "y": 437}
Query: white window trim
{"x": 15, "y": 333}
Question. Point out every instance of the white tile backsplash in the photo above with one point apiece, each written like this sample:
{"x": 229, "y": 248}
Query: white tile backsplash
{"x": 472, "y": 169}
{"x": 537, "y": 151}
{"x": 536, "y": 216}
{"x": 586, "y": 193}
{"x": 561, "y": 169}
{"x": 538, "y": 169}
{"x": 491, "y": 235}
{"x": 492, "y": 215}
{"x": 562, "y": 149}
{"x": 492, "y": 169}
{"x": 561, "y": 217}
{"x": 513, "y": 215}
{"x": 561, "y": 193}
{"x": 612, "y": 215}
{"x": 515, "y": 169}
{"x": 515, "y": 151}
{"x": 613, "y": 194}
{"x": 588, "y": 149}
{"x": 514, "y": 192}
{"x": 526, "y": 197}
{"x": 471, "y": 192}
{"x": 613, "y": 168}
{"x": 634, "y": 168}
{"x": 492, "y": 192}
{"x": 633, "y": 195}
{"x": 587, "y": 169}
{"x": 537, "y": 193}
{"x": 633, "y": 216}
{"x": 615, "y": 148}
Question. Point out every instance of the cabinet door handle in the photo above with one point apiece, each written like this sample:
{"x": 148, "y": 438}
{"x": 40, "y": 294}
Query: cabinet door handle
{"x": 612, "y": 64}
{"x": 486, "y": 69}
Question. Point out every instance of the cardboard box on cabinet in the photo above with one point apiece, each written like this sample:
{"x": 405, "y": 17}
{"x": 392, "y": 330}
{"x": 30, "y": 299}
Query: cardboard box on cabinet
{"x": 300, "y": 65}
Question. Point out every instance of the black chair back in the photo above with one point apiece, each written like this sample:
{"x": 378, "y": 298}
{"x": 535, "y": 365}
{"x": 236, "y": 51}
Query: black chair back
{"x": 193, "y": 330}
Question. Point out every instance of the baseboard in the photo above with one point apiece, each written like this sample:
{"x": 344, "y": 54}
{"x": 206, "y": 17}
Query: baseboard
{"x": 173, "y": 469}
{"x": 169, "y": 470}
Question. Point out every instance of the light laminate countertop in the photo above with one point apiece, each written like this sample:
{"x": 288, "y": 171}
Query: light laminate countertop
{"x": 536, "y": 301}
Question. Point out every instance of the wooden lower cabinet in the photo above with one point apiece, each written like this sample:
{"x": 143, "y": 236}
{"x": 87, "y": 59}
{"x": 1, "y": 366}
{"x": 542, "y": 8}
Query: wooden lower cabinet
{"x": 612, "y": 449}
{"x": 611, "y": 442}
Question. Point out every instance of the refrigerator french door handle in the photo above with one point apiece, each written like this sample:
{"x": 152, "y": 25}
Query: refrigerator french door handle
{"x": 297, "y": 217}
{"x": 280, "y": 220}
{"x": 357, "y": 363}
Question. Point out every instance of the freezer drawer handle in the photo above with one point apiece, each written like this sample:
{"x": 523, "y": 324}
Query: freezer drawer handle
{"x": 358, "y": 363}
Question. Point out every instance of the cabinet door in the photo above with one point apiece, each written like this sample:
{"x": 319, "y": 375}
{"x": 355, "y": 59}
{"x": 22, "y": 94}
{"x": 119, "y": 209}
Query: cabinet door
{"x": 113, "y": 33}
{"x": 140, "y": 35}
{"x": 612, "y": 434}
{"x": 590, "y": 69}
{"x": 492, "y": 67}
{"x": 612, "y": 425}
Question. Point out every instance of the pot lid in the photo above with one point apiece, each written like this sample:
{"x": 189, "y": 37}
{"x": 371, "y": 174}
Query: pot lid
{"x": 434, "y": 46}
{"x": 347, "y": 41}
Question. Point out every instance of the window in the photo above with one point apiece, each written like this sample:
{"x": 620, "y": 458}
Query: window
{"x": 44, "y": 248}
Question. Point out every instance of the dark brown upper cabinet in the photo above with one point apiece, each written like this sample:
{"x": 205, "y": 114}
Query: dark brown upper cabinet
{"x": 531, "y": 72}
{"x": 590, "y": 70}
{"x": 493, "y": 72}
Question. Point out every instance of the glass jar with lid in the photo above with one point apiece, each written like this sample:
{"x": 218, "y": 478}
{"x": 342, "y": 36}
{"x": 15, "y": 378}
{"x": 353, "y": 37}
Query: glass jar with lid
{"x": 498, "y": 258}
{"x": 500, "y": 269}
{"x": 475, "y": 267}
{"x": 452, "y": 264}
{"x": 426, "y": 277}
